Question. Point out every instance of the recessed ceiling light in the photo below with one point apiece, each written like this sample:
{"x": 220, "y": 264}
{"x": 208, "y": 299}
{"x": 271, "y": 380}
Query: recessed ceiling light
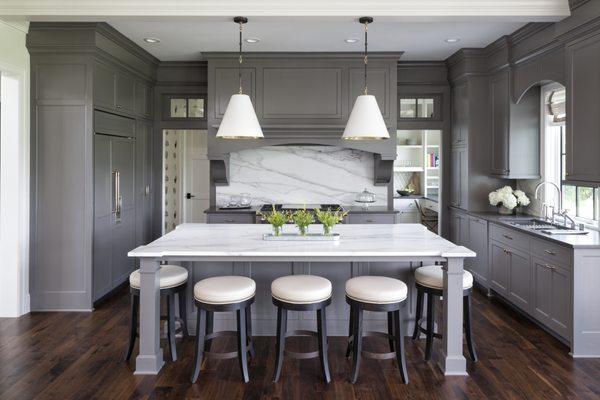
{"x": 151, "y": 40}
{"x": 351, "y": 40}
{"x": 252, "y": 40}
{"x": 452, "y": 40}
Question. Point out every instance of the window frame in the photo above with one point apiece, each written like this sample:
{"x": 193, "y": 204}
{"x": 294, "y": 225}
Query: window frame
{"x": 166, "y": 106}
{"x": 437, "y": 106}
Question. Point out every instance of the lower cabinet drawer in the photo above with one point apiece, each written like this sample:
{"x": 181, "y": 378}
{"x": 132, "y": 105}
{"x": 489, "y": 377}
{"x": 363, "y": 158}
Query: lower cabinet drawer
{"x": 510, "y": 237}
{"x": 231, "y": 218}
{"x": 371, "y": 218}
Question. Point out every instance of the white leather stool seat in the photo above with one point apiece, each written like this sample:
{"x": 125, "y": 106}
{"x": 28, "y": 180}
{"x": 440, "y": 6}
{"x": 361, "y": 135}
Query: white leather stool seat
{"x": 376, "y": 289}
{"x": 301, "y": 289}
{"x": 432, "y": 276}
{"x": 169, "y": 276}
{"x": 224, "y": 289}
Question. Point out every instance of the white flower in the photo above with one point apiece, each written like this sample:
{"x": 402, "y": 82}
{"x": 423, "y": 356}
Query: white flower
{"x": 519, "y": 193}
{"x": 509, "y": 201}
{"x": 506, "y": 190}
{"x": 494, "y": 198}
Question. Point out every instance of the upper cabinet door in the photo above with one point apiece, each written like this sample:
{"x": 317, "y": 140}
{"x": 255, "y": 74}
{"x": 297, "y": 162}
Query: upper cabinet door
{"x": 104, "y": 86}
{"x": 143, "y": 100}
{"x": 124, "y": 93}
{"x": 583, "y": 111}
{"x": 500, "y": 97}
{"x": 460, "y": 110}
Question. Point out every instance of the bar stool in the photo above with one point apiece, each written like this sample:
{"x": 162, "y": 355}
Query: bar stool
{"x": 301, "y": 293}
{"x": 172, "y": 281}
{"x": 218, "y": 294}
{"x": 430, "y": 281}
{"x": 382, "y": 294}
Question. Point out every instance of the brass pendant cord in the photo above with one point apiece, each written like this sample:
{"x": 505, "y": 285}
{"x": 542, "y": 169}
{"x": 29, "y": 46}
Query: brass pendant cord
{"x": 240, "y": 59}
{"x": 366, "y": 59}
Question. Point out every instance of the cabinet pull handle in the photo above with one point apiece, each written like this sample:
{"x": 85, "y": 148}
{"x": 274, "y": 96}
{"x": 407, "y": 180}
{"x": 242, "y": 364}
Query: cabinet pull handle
{"x": 228, "y": 220}
{"x": 508, "y": 237}
{"x": 549, "y": 266}
{"x": 119, "y": 106}
{"x": 369, "y": 220}
{"x": 550, "y": 252}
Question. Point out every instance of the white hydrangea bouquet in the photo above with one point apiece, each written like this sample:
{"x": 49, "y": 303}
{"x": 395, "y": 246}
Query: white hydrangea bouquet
{"x": 507, "y": 199}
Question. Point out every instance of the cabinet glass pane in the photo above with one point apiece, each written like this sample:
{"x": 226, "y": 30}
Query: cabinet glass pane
{"x": 585, "y": 198}
{"x": 178, "y": 108}
{"x": 425, "y": 108}
{"x": 196, "y": 108}
{"x": 569, "y": 199}
{"x": 408, "y": 108}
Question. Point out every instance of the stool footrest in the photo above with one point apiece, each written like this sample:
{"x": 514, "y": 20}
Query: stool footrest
{"x": 301, "y": 356}
{"x": 382, "y": 335}
{"x": 425, "y": 331}
{"x": 221, "y": 356}
{"x": 378, "y": 356}
{"x": 219, "y": 334}
{"x": 300, "y": 332}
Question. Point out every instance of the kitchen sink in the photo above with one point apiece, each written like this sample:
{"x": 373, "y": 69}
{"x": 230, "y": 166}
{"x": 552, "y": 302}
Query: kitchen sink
{"x": 540, "y": 225}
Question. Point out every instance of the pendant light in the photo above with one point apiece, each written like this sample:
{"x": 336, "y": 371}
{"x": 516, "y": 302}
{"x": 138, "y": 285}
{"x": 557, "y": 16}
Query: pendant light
{"x": 365, "y": 121}
{"x": 239, "y": 120}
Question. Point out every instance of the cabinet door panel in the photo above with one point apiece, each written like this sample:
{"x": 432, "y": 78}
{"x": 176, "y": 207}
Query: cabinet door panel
{"x": 459, "y": 115}
{"x": 560, "y": 290}
{"x": 542, "y": 281}
{"x": 104, "y": 86}
{"x": 583, "y": 103}
{"x": 499, "y": 268}
{"x": 103, "y": 217}
{"x": 520, "y": 279}
{"x": 500, "y": 96}
{"x": 478, "y": 235}
{"x": 124, "y": 93}
{"x": 459, "y": 177}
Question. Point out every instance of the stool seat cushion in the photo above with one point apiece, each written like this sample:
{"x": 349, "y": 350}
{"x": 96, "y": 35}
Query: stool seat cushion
{"x": 301, "y": 289}
{"x": 224, "y": 289}
{"x": 169, "y": 277}
{"x": 432, "y": 276}
{"x": 376, "y": 289}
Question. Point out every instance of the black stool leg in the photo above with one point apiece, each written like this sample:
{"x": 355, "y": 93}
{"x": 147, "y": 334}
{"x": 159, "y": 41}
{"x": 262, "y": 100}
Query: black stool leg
{"x": 430, "y": 321}
{"x": 468, "y": 333}
{"x": 281, "y": 328}
{"x": 350, "y": 329}
{"x": 390, "y": 317}
{"x": 249, "y": 331}
{"x": 200, "y": 333}
{"x": 419, "y": 313}
{"x": 135, "y": 305}
{"x": 242, "y": 350}
{"x": 399, "y": 337}
{"x": 182, "y": 298}
{"x": 171, "y": 325}
{"x": 322, "y": 339}
{"x": 356, "y": 342}
{"x": 210, "y": 317}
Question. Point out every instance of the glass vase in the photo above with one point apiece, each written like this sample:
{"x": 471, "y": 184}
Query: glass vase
{"x": 302, "y": 230}
{"x": 327, "y": 230}
{"x": 276, "y": 230}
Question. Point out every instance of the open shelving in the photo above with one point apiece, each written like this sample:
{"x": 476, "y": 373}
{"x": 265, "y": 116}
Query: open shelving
{"x": 417, "y": 151}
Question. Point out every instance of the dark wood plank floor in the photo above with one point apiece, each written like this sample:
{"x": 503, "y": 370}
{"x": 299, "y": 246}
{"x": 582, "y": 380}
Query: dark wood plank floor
{"x": 78, "y": 356}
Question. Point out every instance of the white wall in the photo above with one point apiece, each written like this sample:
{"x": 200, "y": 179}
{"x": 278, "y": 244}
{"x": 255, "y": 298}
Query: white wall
{"x": 14, "y": 171}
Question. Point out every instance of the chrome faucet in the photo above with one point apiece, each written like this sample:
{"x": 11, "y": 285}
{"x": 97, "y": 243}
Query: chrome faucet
{"x": 561, "y": 212}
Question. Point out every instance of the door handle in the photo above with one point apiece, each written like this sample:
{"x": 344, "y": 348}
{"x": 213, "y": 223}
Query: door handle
{"x": 189, "y": 196}
{"x": 118, "y": 199}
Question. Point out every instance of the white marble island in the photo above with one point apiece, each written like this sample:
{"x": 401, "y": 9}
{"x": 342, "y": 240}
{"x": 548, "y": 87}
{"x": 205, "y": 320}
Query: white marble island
{"x": 392, "y": 250}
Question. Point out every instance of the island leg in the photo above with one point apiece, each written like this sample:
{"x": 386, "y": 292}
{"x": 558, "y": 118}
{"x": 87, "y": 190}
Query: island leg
{"x": 150, "y": 359}
{"x": 452, "y": 360}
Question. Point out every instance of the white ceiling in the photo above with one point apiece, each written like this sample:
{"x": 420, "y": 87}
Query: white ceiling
{"x": 186, "y": 40}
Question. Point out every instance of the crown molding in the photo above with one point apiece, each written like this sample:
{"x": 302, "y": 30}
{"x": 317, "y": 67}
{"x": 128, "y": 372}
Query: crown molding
{"x": 303, "y": 55}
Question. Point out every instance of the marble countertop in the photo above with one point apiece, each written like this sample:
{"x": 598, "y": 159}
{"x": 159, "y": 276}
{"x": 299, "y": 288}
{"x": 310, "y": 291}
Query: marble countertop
{"x": 373, "y": 242}
{"x": 350, "y": 209}
{"x": 218, "y": 210}
{"x": 591, "y": 240}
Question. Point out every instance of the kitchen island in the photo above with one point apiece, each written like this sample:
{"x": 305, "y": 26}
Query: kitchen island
{"x": 232, "y": 249}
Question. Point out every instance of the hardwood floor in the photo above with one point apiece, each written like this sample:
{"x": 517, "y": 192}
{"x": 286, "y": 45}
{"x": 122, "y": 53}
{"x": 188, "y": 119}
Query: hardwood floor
{"x": 79, "y": 356}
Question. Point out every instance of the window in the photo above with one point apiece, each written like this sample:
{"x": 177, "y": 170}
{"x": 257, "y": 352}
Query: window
{"x": 416, "y": 107}
{"x": 183, "y": 107}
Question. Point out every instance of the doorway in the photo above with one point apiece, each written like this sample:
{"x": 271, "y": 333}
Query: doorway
{"x": 185, "y": 178}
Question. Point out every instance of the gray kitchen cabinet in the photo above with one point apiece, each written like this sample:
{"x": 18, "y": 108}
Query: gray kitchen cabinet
{"x": 143, "y": 100}
{"x": 459, "y": 233}
{"x": 124, "y": 93}
{"x": 499, "y": 268}
{"x": 478, "y": 242}
{"x": 114, "y": 90}
{"x": 519, "y": 285}
{"x": 551, "y": 296}
{"x": 460, "y": 114}
{"x": 231, "y": 218}
{"x": 515, "y": 130}
{"x": 104, "y": 85}
{"x": 371, "y": 218}
{"x": 406, "y": 217}
{"x": 583, "y": 103}
{"x": 143, "y": 187}
{"x": 459, "y": 170}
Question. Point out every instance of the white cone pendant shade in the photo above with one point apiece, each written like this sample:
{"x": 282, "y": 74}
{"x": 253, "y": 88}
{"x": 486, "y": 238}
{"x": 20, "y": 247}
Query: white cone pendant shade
{"x": 366, "y": 121}
{"x": 239, "y": 120}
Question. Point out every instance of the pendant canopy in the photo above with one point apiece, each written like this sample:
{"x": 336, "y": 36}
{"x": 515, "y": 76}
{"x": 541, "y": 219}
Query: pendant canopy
{"x": 365, "y": 121}
{"x": 239, "y": 120}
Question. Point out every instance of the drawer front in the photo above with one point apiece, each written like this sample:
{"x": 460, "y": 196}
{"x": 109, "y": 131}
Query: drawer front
{"x": 552, "y": 252}
{"x": 407, "y": 205}
{"x": 371, "y": 218}
{"x": 231, "y": 219}
{"x": 510, "y": 237}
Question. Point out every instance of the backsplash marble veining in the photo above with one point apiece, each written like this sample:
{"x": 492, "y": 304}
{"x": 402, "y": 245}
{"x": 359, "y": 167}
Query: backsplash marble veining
{"x": 301, "y": 174}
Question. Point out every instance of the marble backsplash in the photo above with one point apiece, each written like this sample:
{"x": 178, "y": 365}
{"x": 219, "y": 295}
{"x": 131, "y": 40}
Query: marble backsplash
{"x": 301, "y": 175}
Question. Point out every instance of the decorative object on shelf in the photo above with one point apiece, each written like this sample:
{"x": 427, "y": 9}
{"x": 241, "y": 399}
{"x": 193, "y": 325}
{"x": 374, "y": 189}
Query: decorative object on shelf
{"x": 239, "y": 120}
{"x": 276, "y": 218}
{"x": 365, "y": 198}
{"x": 507, "y": 200}
{"x": 330, "y": 218}
{"x": 302, "y": 218}
{"x": 365, "y": 121}
{"x": 245, "y": 200}
{"x": 407, "y": 191}
{"x": 411, "y": 142}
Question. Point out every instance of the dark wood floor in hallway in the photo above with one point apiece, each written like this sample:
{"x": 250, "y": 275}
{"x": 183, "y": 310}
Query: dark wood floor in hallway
{"x": 79, "y": 356}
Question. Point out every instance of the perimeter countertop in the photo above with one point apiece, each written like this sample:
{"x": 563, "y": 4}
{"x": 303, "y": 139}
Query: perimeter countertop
{"x": 254, "y": 209}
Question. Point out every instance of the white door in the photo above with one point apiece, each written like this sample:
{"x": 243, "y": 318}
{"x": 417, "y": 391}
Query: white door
{"x": 196, "y": 187}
